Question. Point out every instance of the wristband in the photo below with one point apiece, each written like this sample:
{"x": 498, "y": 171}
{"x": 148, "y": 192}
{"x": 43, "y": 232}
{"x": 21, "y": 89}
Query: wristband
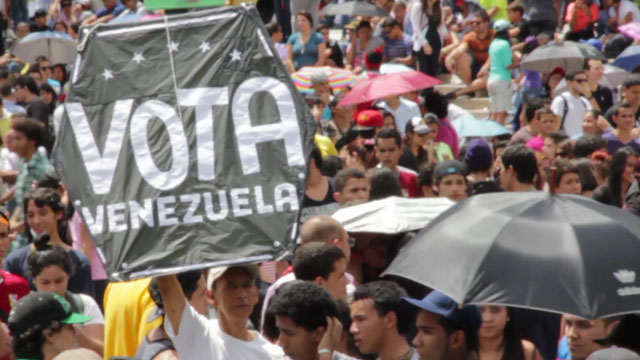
{"x": 324, "y": 351}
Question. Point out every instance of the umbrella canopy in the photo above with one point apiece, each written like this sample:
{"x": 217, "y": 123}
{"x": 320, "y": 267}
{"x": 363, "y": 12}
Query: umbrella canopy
{"x": 357, "y": 7}
{"x": 632, "y": 30}
{"x": 558, "y": 253}
{"x": 339, "y": 79}
{"x": 469, "y": 126}
{"x": 569, "y": 55}
{"x": 388, "y": 85}
{"x": 629, "y": 59}
{"x": 392, "y": 215}
{"x": 613, "y": 77}
{"x": 58, "y": 47}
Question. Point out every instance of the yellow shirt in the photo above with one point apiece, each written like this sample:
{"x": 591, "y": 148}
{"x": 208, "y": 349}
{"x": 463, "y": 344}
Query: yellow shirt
{"x": 502, "y": 8}
{"x": 325, "y": 145}
{"x": 126, "y": 308}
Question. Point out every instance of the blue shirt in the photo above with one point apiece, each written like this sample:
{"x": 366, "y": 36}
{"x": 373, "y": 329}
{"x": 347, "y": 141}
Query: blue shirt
{"x": 614, "y": 144}
{"x": 399, "y": 48}
{"x": 305, "y": 54}
{"x": 115, "y": 11}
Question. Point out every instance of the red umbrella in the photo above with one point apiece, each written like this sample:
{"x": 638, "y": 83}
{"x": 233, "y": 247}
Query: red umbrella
{"x": 388, "y": 85}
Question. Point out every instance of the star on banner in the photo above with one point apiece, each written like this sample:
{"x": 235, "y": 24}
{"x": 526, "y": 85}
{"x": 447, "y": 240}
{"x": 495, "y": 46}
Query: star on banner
{"x": 138, "y": 58}
{"x": 173, "y": 46}
{"x": 107, "y": 74}
{"x": 235, "y": 55}
{"x": 204, "y": 46}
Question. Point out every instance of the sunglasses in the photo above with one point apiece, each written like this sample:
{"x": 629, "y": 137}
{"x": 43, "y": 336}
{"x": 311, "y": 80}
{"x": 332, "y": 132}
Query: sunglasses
{"x": 46, "y": 67}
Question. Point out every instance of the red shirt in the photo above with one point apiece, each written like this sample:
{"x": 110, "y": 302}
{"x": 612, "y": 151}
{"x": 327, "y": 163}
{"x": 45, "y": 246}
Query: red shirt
{"x": 409, "y": 182}
{"x": 12, "y": 288}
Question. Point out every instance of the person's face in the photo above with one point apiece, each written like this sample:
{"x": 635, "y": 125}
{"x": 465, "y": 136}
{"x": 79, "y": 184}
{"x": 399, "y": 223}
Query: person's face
{"x": 569, "y": 184}
{"x": 434, "y": 131}
{"x": 235, "y": 293}
{"x": 549, "y": 148}
{"x": 431, "y": 341}
{"x": 22, "y": 30}
{"x": 479, "y": 25}
{"x": 37, "y": 77}
{"x": 554, "y": 80}
{"x": 22, "y": 144}
{"x": 364, "y": 33}
{"x": 399, "y": 11}
{"x": 344, "y": 112}
{"x": 64, "y": 339}
{"x": 45, "y": 68}
{"x": 389, "y": 122}
{"x": 632, "y": 94}
{"x": 388, "y": 152}
{"x": 41, "y": 20}
{"x": 42, "y": 220}
{"x": 297, "y": 342}
{"x": 303, "y": 23}
{"x": 336, "y": 283}
{"x": 46, "y": 96}
{"x": 325, "y": 34}
{"x": 580, "y": 334}
{"x": 367, "y": 326}
{"x": 506, "y": 176}
{"x": 355, "y": 189}
{"x": 494, "y": 320}
{"x": 514, "y": 16}
{"x": 57, "y": 74}
{"x": 60, "y": 28}
{"x": 20, "y": 92}
{"x": 589, "y": 124}
{"x": 199, "y": 297}
{"x": 452, "y": 187}
{"x": 52, "y": 278}
{"x": 579, "y": 83}
{"x": 628, "y": 174}
{"x": 547, "y": 123}
{"x": 625, "y": 119}
{"x": 130, "y": 4}
{"x": 419, "y": 139}
{"x": 596, "y": 70}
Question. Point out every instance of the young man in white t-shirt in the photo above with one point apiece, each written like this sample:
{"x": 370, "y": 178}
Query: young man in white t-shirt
{"x": 570, "y": 106}
{"x": 234, "y": 294}
{"x": 401, "y": 109}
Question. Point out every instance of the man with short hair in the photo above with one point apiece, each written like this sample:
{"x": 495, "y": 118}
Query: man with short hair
{"x": 570, "y": 106}
{"x": 581, "y": 334}
{"x": 397, "y": 44}
{"x": 9, "y": 100}
{"x": 532, "y": 128}
{"x": 306, "y": 318}
{"x": 449, "y": 180}
{"x": 388, "y": 152}
{"x": 600, "y": 97}
{"x": 39, "y": 21}
{"x": 233, "y": 292}
{"x": 475, "y": 42}
{"x": 425, "y": 180}
{"x": 519, "y": 168}
{"x": 631, "y": 92}
{"x": 380, "y": 321}
{"x": 26, "y": 92}
{"x": 621, "y": 136}
{"x": 322, "y": 264}
{"x": 519, "y": 28}
{"x": 351, "y": 185}
{"x": 446, "y": 331}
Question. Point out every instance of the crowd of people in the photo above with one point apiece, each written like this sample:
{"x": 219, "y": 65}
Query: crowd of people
{"x": 332, "y": 300}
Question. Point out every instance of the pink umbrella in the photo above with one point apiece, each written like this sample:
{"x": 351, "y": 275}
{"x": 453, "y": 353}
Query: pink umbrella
{"x": 632, "y": 30}
{"x": 388, "y": 85}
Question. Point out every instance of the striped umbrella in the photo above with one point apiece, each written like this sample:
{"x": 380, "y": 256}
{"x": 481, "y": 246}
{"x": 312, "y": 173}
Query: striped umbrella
{"x": 339, "y": 79}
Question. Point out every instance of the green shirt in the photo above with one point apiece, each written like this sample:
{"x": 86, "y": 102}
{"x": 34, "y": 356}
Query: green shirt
{"x": 502, "y": 8}
{"x": 500, "y": 57}
{"x": 442, "y": 150}
{"x": 30, "y": 172}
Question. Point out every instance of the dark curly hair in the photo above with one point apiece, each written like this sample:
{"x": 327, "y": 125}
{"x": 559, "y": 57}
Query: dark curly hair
{"x": 47, "y": 255}
{"x": 46, "y": 197}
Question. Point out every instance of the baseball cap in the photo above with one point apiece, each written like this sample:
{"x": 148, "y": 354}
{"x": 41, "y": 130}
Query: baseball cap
{"x": 217, "y": 272}
{"x": 368, "y": 120}
{"x": 478, "y": 156}
{"x": 625, "y": 333}
{"x": 467, "y": 318}
{"x": 417, "y": 125}
{"x": 500, "y": 25}
{"x": 448, "y": 167}
{"x": 40, "y": 310}
{"x": 614, "y": 354}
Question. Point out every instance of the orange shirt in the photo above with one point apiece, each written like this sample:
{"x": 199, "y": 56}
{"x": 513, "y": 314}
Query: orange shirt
{"x": 479, "y": 47}
{"x": 582, "y": 18}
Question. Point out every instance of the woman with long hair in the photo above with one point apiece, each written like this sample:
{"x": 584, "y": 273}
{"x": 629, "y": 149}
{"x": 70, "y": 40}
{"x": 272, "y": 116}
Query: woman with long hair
{"x": 621, "y": 176}
{"x": 45, "y": 222}
{"x": 415, "y": 154}
{"x": 305, "y": 47}
{"x": 49, "y": 96}
{"x": 499, "y": 338}
{"x": 429, "y": 31}
{"x": 51, "y": 268}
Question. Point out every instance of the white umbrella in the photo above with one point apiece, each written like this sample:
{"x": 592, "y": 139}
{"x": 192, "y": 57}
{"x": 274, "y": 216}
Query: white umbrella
{"x": 613, "y": 77}
{"x": 58, "y": 47}
{"x": 393, "y": 215}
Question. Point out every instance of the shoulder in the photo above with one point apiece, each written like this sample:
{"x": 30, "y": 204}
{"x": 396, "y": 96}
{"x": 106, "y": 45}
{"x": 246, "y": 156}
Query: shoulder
{"x": 274, "y": 351}
{"x": 79, "y": 257}
{"x": 318, "y": 37}
{"x": 18, "y": 254}
{"x": 293, "y": 37}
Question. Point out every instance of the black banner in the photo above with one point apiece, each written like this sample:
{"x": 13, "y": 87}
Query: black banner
{"x": 184, "y": 143}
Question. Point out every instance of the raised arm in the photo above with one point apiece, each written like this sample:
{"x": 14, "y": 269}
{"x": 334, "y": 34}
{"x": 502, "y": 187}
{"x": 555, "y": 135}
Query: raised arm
{"x": 173, "y": 300}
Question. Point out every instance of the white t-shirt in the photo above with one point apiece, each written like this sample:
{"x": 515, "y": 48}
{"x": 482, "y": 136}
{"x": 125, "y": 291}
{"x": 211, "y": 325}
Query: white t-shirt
{"x": 200, "y": 338}
{"x": 92, "y": 310}
{"x": 577, "y": 106}
{"x": 626, "y": 6}
{"x": 403, "y": 113}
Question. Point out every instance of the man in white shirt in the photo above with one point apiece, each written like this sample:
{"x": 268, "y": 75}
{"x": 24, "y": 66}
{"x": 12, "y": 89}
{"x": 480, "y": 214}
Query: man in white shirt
{"x": 570, "y": 106}
{"x": 233, "y": 293}
{"x": 401, "y": 109}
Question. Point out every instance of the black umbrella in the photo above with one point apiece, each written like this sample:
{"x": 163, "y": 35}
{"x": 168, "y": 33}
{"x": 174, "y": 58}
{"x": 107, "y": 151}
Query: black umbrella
{"x": 357, "y": 7}
{"x": 559, "y": 253}
{"x": 569, "y": 55}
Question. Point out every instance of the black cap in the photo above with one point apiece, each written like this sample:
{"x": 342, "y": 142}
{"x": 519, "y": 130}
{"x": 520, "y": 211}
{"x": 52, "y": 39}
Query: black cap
{"x": 41, "y": 310}
{"x": 448, "y": 167}
{"x": 39, "y": 13}
{"x": 625, "y": 334}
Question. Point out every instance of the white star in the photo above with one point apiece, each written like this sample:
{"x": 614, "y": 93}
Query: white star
{"x": 138, "y": 58}
{"x": 204, "y": 46}
{"x": 235, "y": 55}
{"x": 107, "y": 74}
{"x": 173, "y": 46}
